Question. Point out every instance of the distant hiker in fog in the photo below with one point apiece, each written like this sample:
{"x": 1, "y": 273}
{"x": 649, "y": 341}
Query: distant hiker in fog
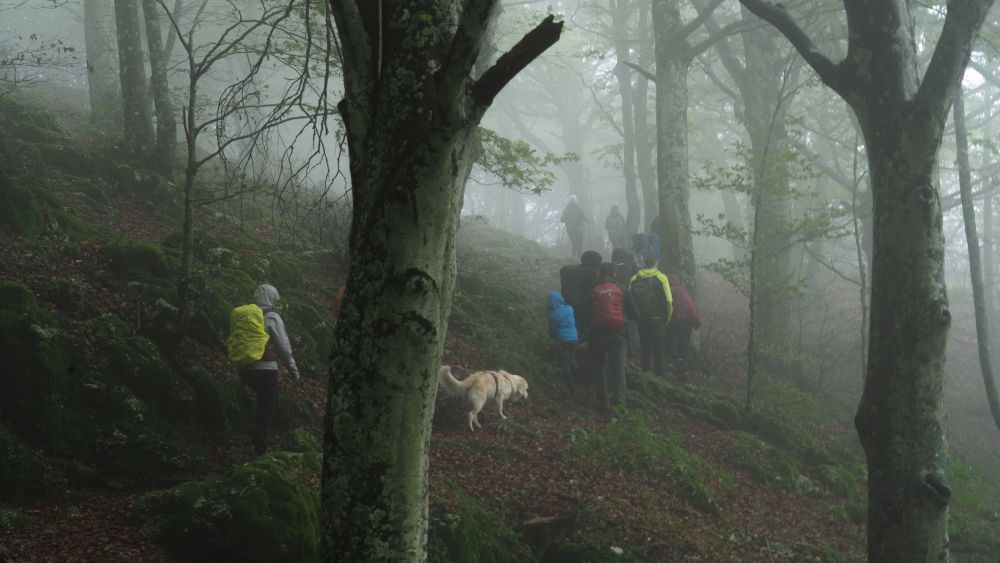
{"x": 562, "y": 329}
{"x": 611, "y": 305}
{"x": 575, "y": 222}
{"x": 651, "y": 291}
{"x": 617, "y": 231}
{"x": 647, "y": 243}
{"x": 685, "y": 319}
{"x": 261, "y": 375}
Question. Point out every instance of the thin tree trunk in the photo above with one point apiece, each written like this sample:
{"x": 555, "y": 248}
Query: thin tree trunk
{"x": 102, "y": 64}
{"x": 734, "y": 216}
{"x": 643, "y": 144}
{"x": 163, "y": 155}
{"x": 619, "y": 17}
{"x": 975, "y": 268}
{"x": 132, "y": 71}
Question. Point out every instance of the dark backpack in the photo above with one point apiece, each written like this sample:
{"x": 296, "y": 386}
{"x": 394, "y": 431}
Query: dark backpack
{"x": 648, "y": 296}
{"x": 607, "y": 307}
{"x": 569, "y": 284}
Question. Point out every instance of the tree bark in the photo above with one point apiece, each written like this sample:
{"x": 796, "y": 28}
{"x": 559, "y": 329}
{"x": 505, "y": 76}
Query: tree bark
{"x": 901, "y": 415}
{"x": 164, "y": 153}
{"x": 619, "y": 17}
{"x": 137, "y": 120}
{"x": 640, "y": 102}
{"x": 102, "y": 64}
{"x": 409, "y": 136}
{"x": 975, "y": 266}
{"x": 672, "y": 64}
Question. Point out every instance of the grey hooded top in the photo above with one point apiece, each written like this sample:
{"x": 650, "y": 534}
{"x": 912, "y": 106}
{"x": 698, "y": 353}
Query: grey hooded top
{"x": 266, "y": 296}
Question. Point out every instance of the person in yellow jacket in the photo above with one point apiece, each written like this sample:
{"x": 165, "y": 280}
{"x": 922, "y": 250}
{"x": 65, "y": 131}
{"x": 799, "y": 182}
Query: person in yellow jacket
{"x": 650, "y": 290}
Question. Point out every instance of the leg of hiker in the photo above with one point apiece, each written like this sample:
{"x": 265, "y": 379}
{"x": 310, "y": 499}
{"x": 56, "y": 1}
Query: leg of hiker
{"x": 617, "y": 348}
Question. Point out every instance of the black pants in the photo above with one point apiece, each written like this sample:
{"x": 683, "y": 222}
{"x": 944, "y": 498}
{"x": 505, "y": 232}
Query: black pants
{"x": 608, "y": 356}
{"x": 652, "y": 340}
{"x": 264, "y": 383}
{"x": 679, "y": 344}
{"x": 567, "y": 360}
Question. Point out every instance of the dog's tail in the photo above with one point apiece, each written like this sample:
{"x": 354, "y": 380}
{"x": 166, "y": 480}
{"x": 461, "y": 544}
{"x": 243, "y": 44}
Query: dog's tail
{"x": 451, "y": 385}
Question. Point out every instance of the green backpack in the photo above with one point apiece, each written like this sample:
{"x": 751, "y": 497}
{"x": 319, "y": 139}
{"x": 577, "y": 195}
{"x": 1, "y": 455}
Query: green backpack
{"x": 247, "y": 337}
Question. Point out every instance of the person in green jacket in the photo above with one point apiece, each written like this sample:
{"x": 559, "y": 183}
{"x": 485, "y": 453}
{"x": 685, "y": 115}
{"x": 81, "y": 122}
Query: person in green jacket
{"x": 650, "y": 290}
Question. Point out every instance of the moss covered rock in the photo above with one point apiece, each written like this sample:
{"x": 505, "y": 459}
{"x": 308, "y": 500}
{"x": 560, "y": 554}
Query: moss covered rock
{"x": 137, "y": 259}
{"x": 37, "y": 360}
{"x": 265, "y": 510}
{"x": 20, "y": 211}
{"x": 23, "y": 473}
{"x": 299, "y": 440}
{"x": 311, "y": 336}
{"x": 221, "y": 401}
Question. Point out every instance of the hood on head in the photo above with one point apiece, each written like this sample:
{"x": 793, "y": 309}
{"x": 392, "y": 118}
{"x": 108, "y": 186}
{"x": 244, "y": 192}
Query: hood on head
{"x": 266, "y": 295}
{"x": 555, "y": 300}
{"x": 591, "y": 258}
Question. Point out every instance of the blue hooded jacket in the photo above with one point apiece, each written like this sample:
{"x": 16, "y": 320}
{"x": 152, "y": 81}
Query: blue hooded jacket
{"x": 562, "y": 325}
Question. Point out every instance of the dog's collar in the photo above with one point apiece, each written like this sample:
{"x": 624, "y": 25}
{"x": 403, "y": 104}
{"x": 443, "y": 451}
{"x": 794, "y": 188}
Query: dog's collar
{"x": 496, "y": 381}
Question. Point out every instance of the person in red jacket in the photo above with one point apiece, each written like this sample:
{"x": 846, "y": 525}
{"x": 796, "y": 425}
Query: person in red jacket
{"x": 685, "y": 319}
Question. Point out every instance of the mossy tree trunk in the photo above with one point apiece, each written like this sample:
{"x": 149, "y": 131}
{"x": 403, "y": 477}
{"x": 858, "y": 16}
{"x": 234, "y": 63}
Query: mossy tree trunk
{"x": 164, "y": 153}
{"x": 410, "y": 111}
{"x": 102, "y": 64}
{"x": 902, "y": 117}
{"x": 136, "y": 113}
{"x": 674, "y": 54}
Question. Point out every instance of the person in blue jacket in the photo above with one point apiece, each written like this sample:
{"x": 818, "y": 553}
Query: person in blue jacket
{"x": 562, "y": 329}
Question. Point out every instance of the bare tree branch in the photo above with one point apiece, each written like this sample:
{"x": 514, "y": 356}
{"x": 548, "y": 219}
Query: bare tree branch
{"x": 533, "y": 44}
{"x": 778, "y": 16}
{"x": 937, "y": 89}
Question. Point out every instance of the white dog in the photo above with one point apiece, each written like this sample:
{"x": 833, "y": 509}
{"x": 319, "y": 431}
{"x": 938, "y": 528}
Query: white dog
{"x": 481, "y": 387}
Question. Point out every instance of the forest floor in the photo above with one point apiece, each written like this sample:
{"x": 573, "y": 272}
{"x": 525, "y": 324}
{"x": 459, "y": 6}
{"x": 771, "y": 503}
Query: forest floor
{"x": 525, "y": 467}
{"x": 535, "y": 467}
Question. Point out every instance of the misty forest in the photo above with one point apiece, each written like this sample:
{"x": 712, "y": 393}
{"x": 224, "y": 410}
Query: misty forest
{"x": 499, "y": 281}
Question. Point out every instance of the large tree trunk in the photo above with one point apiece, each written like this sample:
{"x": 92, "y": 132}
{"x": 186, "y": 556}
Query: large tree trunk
{"x": 901, "y": 415}
{"x": 132, "y": 70}
{"x": 975, "y": 266}
{"x": 672, "y": 64}
{"x": 163, "y": 155}
{"x": 640, "y": 102}
{"x": 102, "y": 64}
{"x": 409, "y": 136}
{"x": 619, "y": 16}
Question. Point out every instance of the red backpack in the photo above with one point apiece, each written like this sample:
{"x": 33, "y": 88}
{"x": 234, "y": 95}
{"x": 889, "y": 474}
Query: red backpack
{"x": 607, "y": 308}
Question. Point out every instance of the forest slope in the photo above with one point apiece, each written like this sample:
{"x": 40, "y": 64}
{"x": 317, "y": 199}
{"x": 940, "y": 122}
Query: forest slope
{"x": 87, "y": 275}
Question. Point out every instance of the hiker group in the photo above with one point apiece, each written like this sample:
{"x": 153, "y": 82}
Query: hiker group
{"x": 601, "y": 307}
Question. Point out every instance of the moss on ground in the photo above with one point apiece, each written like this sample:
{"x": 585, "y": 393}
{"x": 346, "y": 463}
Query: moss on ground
{"x": 461, "y": 529}
{"x": 265, "y": 510}
{"x": 630, "y": 443}
{"x": 23, "y": 472}
{"x": 20, "y": 210}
